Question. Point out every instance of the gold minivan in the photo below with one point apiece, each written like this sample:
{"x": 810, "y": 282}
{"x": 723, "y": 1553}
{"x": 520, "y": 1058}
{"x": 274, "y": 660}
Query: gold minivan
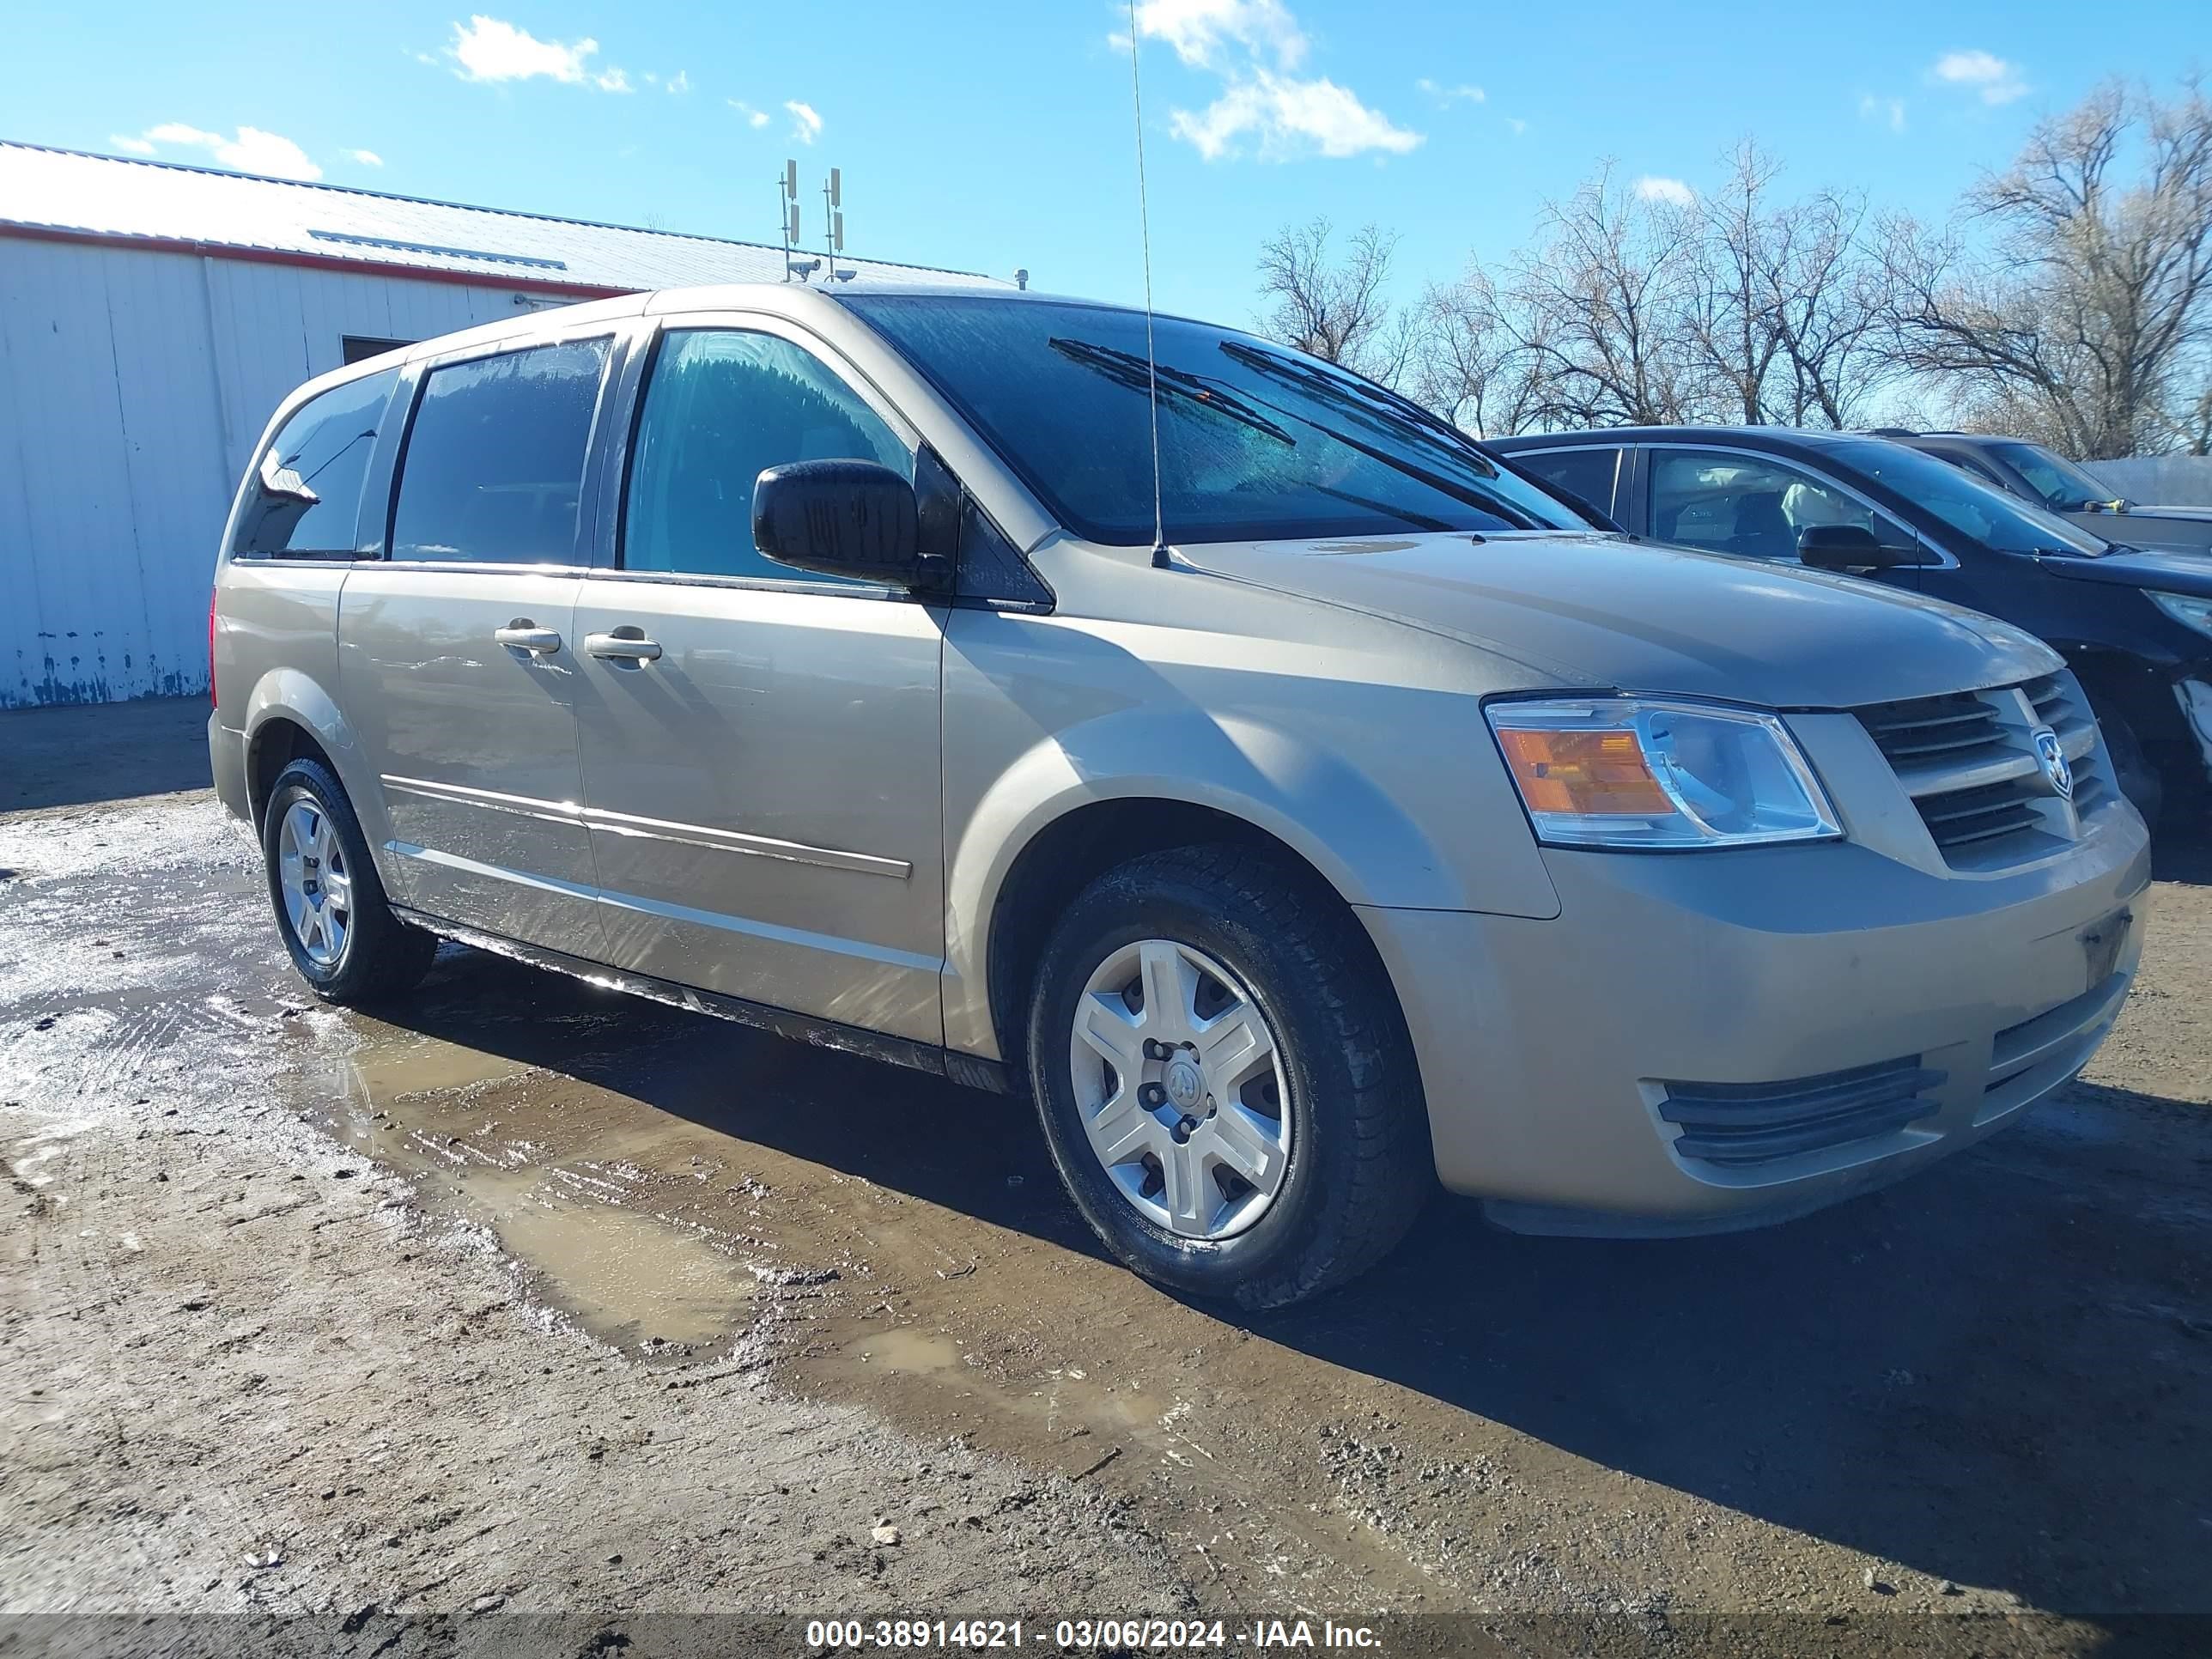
{"x": 1322, "y": 812}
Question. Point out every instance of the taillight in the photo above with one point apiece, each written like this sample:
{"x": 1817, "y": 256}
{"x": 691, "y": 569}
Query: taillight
{"x": 213, "y": 699}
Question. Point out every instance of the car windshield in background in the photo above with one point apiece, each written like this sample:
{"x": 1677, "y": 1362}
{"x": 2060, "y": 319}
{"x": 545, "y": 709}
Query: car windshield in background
{"x": 1257, "y": 441}
{"x": 2064, "y": 487}
{"x": 1991, "y": 517}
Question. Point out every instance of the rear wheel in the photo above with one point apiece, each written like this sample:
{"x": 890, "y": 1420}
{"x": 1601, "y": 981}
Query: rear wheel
{"x": 1225, "y": 1080}
{"x": 331, "y": 907}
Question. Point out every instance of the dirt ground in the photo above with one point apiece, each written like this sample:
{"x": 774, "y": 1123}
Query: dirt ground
{"x": 534, "y": 1303}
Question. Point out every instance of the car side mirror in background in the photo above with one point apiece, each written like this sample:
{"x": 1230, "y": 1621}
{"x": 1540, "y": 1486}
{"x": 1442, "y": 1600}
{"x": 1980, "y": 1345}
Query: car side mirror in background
{"x": 1850, "y": 547}
{"x": 844, "y": 519}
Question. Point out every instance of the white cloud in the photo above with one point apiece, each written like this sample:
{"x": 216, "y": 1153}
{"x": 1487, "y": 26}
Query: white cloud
{"x": 1251, "y": 44}
{"x": 1199, "y": 29}
{"x": 367, "y": 158}
{"x": 1888, "y": 112}
{"x": 680, "y": 82}
{"x": 249, "y": 150}
{"x": 1286, "y": 118}
{"x": 1997, "y": 79}
{"x": 129, "y": 146}
{"x": 612, "y": 80}
{"x": 1652, "y": 188}
{"x": 1518, "y": 126}
{"x": 754, "y": 118}
{"x": 487, "y": 49}
{"x": 806, "y": 125}
{"x": 1446, "y": 95}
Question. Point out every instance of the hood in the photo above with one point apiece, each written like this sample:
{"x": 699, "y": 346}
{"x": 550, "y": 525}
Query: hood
{"x": 1587, "y": 611}
{"x": 2138, "y": 567}
{"x": 2156, "y": 527}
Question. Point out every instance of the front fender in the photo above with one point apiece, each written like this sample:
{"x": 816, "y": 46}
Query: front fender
{"x": 1322, "y": 804}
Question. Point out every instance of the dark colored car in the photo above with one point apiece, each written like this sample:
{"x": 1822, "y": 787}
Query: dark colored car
{"x": 2043, "y": 476}
{"x": 2133, "y": 623}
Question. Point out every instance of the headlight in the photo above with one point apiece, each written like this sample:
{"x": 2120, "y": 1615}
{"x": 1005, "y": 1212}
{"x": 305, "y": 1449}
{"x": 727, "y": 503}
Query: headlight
{"x": 1633, "y": 772}
{"x": 2184, "y": 608}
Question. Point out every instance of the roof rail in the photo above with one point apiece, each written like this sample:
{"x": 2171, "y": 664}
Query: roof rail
{"x": 1891, "y": 432}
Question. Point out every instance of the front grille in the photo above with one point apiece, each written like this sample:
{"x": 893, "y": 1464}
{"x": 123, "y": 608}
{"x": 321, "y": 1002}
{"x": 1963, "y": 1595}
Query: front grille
{"x": 1752, "y": 1123}
{"x": 1968, "y": 761}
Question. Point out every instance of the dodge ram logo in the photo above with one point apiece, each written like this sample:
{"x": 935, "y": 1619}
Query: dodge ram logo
{"x": 2053, "y": 757}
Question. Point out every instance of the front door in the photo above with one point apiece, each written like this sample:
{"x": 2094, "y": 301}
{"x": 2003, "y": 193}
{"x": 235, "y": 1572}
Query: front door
{"x": 457, "y": 653}
{"x": 760, "y": 745}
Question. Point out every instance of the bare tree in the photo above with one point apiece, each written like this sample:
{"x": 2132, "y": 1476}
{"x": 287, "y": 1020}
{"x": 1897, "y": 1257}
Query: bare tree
{"x": 1475, "y": 367}
{"x": 1601, "y": 302}
{"x": 1784, "y": 312}
{"x": 2091, "y": 317}
{"x": 1340, "y": 311}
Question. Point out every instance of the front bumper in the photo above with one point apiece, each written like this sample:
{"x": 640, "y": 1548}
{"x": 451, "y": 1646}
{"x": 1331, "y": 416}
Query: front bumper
{"x": 1546, "y": 1048}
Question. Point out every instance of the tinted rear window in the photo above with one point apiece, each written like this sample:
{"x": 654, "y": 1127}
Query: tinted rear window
{"x": 1585, "y": 474}
{"x": 494, "y": 463}
{"x": 304, "y": 497}
{"x": 1257, "y": 441}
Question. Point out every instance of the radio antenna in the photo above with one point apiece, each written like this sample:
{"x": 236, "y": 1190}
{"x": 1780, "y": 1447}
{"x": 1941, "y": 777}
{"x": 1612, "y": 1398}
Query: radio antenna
{"x": 1145, "y": 237}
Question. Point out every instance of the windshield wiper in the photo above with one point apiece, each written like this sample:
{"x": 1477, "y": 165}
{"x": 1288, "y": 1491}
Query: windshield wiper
{"x": 1418, "y": 520}
{"x": 1126, "y": 369}
{"x": 1315, "y": 383}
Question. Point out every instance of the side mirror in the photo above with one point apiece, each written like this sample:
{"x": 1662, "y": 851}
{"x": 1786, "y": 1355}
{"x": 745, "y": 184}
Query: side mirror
{"x": 842, "y": 518}
{"x": 1850, "y": 547}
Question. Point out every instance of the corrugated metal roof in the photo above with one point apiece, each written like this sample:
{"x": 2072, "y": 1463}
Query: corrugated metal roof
{"x": 71, "y": 192}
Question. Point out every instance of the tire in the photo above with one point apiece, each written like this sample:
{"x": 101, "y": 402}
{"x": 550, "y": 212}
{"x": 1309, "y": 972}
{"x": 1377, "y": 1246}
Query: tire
{"x": 2132, "y": 769}
{"x": 345, "y": 943}
{"x": 1333, "y": 1114}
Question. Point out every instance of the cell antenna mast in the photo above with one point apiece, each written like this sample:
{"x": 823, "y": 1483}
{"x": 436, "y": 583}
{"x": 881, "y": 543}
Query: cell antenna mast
{"x": 833, "y": 212}
{"x": 1145, "y": 240}
{"x": 787, "y": 215}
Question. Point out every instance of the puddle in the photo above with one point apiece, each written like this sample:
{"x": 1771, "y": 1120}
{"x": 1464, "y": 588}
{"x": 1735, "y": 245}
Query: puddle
{"x": 629, "y": 1278}
{"x": 911, "y": 1352}
{"x": 386, "y": 1070}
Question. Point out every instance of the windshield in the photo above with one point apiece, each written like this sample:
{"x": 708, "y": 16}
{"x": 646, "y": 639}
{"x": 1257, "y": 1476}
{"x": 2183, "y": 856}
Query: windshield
{"x": 1989, "y": 516}
{"x": 2064, "y": 487}
{"x": 1257, "y": 441}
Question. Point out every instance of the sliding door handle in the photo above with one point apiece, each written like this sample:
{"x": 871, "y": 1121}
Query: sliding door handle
{"x": 528, "y": 636}
{"x": 624, "y": 645}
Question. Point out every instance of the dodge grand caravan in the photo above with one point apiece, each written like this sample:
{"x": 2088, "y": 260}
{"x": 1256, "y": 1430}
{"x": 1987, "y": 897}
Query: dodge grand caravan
{"x": 1340, "y": 813}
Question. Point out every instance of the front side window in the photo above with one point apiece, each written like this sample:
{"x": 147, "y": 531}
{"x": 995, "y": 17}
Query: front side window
{"x": 494, "y": 462}
{"x": 1257, "y": 441}
{"x": 1752, "y": 507}
{"x": 305, "y": 496}
{"x": 721, "y": 407}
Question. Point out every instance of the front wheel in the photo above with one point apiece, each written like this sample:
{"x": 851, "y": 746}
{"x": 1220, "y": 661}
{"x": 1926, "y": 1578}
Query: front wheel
{"x": 331, "y": 907}
{"x": 2138, "y": 779}
{"x": 1225, "y": 1078}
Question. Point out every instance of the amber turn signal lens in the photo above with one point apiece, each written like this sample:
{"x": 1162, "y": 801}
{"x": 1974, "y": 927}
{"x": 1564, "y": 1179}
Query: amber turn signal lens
{"x": 1586, "y": 772}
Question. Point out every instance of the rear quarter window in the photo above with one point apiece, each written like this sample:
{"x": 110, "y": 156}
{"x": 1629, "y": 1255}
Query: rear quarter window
{"x": 1585, "y": 474}
{"x": 303, "y": 496}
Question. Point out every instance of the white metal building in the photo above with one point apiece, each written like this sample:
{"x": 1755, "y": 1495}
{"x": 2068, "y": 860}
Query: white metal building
{"x": 152, "y": 316}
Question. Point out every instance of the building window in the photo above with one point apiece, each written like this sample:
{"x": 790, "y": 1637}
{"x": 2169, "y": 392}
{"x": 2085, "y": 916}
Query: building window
{"x": 358, "y": 346}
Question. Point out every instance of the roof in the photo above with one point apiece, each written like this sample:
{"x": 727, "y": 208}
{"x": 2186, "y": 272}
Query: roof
{"x": 1757, "y": 437}
{"x": 59, "y": 192}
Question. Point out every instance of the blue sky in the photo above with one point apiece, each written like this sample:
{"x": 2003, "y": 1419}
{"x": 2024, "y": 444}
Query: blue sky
{"x": 989, "y": 136}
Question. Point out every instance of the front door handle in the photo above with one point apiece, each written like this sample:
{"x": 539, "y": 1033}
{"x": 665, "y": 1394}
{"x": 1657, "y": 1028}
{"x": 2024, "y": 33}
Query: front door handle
{"x": 623, "y": 645}
{"x": 528, "y": 636}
